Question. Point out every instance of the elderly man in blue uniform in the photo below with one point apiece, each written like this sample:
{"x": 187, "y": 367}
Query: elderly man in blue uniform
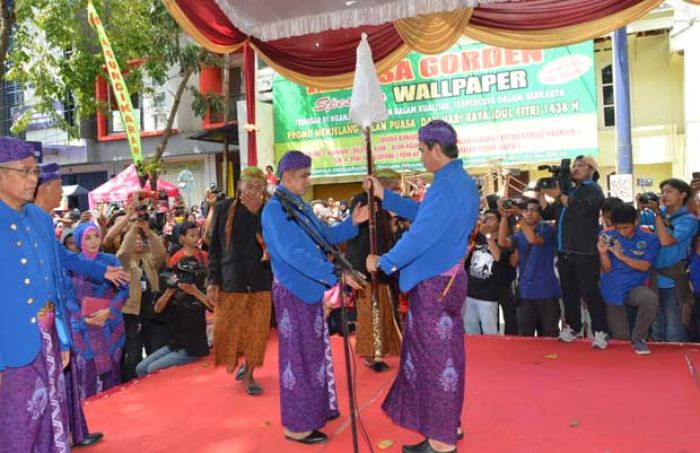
{"x": 428, "y": 393}
{"x": 34, "y": 338}
{"x": 302, "y": 273}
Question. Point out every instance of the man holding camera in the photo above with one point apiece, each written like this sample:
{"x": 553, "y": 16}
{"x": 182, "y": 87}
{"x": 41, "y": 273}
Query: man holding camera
{"x": 577, "y": 235}
{"x": 626, "y": 255}
{"x": 185, "y": 303}
{"x": 539, "y": 289}
{"x": 240, "y": 280}
{"x": 675, "y": 227}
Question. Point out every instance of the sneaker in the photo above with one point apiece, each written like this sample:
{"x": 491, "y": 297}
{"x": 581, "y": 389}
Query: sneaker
{"x": 567, "y": 335}
{"x": 640, "y": 347}
{"x": 600, "y": 340}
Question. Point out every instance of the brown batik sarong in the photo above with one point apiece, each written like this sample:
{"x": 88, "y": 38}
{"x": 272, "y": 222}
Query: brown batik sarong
{"x": 241, "y": 326}
{"x": 364, "y": 341}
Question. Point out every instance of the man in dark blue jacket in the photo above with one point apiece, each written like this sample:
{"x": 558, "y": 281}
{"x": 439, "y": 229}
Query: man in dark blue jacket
{"x": 577, "y": 218}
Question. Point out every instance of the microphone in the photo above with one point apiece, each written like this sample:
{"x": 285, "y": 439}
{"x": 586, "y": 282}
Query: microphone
{"x": 285, "y": 198}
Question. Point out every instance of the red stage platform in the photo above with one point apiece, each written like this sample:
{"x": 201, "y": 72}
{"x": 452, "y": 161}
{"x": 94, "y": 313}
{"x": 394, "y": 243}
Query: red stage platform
{"x": 523, "y": 396}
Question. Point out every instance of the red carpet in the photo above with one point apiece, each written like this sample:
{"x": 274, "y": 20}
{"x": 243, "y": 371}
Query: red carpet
{"x": 523, "y": 396}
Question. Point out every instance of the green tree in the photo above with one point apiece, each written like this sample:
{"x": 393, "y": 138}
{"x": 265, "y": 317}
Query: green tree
{"x": 56, "y": 54}
{"x": 7, "y": 21}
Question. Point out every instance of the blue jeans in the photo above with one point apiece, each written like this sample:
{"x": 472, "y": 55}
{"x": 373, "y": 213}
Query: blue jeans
{"x": 480, "y": 316}
{"x": 164, "y": 357}
{"x": 668, "y": 326}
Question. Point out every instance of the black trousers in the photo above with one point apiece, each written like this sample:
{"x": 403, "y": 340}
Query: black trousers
{"x": 579, "y": 276}
{"x": 140, "y": 334}
{"x": 506, "y": 301}
{"x": 541, "y": 316}
{"x": 133, "y": 347}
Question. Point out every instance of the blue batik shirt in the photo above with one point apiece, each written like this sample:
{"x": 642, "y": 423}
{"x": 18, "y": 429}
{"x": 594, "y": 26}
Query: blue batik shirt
{"x": 616, "y": 284}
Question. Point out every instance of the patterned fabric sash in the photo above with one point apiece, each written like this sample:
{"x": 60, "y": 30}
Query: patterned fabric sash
{"x": 60, "y": 436}
{"x": 229, "y": 222}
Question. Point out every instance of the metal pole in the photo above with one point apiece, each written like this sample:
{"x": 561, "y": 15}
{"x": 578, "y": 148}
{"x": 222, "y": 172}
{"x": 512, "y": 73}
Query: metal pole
{"x": 621, "y": 84}
{"x": 226, "y": 93}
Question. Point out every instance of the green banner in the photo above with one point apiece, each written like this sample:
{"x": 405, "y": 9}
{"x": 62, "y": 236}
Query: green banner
{"x": 132, "y": 124}
{"x": 508, "y": 106}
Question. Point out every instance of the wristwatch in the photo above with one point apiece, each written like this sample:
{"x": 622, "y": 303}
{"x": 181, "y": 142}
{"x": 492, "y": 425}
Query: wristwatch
{"x": 376, "y": 262}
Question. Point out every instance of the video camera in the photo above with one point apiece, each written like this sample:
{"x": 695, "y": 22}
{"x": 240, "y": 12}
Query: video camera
{"x": 188, "y": 271}
{"x": 561, "y": 177}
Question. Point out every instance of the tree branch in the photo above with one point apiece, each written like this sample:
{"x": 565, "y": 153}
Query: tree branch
{"x": 7, "y": 21}
{"x": 160, "y": 149}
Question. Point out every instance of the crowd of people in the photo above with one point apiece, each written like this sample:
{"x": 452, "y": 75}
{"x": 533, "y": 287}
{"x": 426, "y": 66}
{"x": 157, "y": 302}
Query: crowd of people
{"x": 123, "y": 291}
{"x": 564, "y": 264}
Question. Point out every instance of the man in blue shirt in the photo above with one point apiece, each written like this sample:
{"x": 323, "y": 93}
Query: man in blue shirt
{"x": 538, "y": 284}
{"x": 626, "y": 255}
{"x": 694, "y": 273}
{"x": 675, "y": 227}
{"x": 428, "y": 393}
{"x": 302, "y": 272}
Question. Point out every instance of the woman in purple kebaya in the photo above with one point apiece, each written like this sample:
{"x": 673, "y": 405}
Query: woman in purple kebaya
{"x": 96, "y": 318}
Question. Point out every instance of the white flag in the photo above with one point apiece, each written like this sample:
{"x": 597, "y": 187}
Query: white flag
{"x": 367, "y": 103}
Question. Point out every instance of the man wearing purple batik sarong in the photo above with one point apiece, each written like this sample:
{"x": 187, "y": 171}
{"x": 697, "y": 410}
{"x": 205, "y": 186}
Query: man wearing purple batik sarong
{"x": 34, "y": 339}
{"x": 302, "y": 273}
{"x": 428, "y": 393}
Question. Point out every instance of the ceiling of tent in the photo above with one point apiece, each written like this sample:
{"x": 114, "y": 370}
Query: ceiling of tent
{"x": 274, "y": 19}
{"x": 324, "y": 34}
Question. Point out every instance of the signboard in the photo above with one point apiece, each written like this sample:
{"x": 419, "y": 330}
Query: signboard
{"x": 121, "y": 93}
{"x": 510, "y": 106}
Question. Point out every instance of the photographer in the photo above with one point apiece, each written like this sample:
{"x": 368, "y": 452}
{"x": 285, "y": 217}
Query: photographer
{"x": 675, "y": 227}
{"x": 183, "y": 303}
{"x": 214, "y": 196}
{"x": 626, "y": 256}
{"x": 486, "y": 268}
{"x": 577, "y": 235}
{"x": 539, "y": 290}
{"x": 119, "y": 226}
{"x": 142, "y": 254}
{"x": 647, "y": 217}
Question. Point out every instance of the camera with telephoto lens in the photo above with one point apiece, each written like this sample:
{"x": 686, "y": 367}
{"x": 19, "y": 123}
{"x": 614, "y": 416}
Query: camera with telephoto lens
{"x": 217, "y": 191}
{"x": 648, "y": 197}
{"x": 561, "y": 177}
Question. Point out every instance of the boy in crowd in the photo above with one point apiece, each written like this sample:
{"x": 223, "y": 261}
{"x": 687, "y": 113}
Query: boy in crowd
{"x": 626, "y": 255}
{"x": 675, "y": 227}
{"x": 485, "y": 270}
